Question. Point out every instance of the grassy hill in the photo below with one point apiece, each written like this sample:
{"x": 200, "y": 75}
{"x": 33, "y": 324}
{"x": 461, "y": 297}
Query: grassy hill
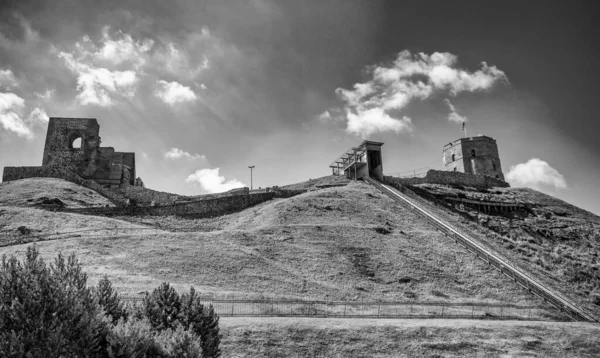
{"x": 555, "y": 241}
{"x": 344, "y": 243}
{"x": 339, "y": 243}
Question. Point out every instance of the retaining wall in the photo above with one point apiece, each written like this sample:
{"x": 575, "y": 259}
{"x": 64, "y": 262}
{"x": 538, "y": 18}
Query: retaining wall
{"x": 196, "y": 209}
{"x": 476, "y": 181}
{"x": 16, "y": 173}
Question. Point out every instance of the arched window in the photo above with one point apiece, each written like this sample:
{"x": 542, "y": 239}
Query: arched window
{"x": 472, "y": 152}
{"x": 454, "y": 168}
{"x": 76, "y": 143}
{"x": 493, "y": 166}
{"x": 453, "y": 157}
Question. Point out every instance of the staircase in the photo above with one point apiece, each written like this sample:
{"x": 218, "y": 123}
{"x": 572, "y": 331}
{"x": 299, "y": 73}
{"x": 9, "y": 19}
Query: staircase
{"x": 412, "y": 201}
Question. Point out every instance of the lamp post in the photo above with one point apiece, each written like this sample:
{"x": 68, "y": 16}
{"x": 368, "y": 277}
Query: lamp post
{"x": 251, "y": 166}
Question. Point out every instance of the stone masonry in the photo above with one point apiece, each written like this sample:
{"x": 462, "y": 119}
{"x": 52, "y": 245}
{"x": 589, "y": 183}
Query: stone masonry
{"x": 473, "y": 155}
{"x": 90, "y": 161}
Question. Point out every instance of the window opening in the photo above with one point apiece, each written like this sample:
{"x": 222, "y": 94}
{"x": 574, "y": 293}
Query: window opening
{"x": 76, "y": 143}
{"x": 494, "y": 166}
{"x": 453, "y": 157}
{"x": 472, "y": 152}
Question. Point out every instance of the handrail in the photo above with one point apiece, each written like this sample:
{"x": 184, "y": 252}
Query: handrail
{"x": 519, "y": 276}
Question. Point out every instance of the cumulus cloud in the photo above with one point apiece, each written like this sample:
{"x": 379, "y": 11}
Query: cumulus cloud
{"x": 176, "y": 153}
{"x": 376, "y": 120}
{"x": 98, "y": 85}
{"x": 211, "y": 182}
{"x": 174, "y": 92}
{"x": 535, "y": 173}
{"x": 454, "y": 116}
{"x": 122, "y": 48}
{"x": 11, "y": 107}
{"x": 377, "y": 103}
{"x": 7, "y": 79}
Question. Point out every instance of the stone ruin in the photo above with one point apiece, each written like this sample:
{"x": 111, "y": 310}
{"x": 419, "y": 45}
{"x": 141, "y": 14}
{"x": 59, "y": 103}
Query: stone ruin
{"x": 90, "y": 161}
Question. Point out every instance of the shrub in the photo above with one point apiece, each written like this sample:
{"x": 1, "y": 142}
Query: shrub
{"x": 48, "y": 309}
{"x": 109, "y": 300}
{"x": 165, "y": 309}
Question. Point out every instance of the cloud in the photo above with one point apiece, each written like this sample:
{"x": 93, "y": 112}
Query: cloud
{"x": 454, "y": 116}
{"x": 8, "y": 79}
{"x": 376, "y": 120}
{"x": 535, "y": 173}
{"x": 38, "y": 115}
{"x": 11, "y": 107}
{"x": 211, "y": 182}
{"x": 98, "y": 85}
{"x": 174, "y": 92}
{"x": 377, "y": 103}
{"x": 176, "y": 153}
{"x": 121, "y": 49}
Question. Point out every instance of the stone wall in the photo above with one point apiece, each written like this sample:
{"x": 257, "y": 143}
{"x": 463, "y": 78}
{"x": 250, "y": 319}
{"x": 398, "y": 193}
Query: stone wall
{"x": 476, "y": 181}
{"x": 90, "y": 161}
{"x": 16, "y": 173}
{"x": 193, "y": 209}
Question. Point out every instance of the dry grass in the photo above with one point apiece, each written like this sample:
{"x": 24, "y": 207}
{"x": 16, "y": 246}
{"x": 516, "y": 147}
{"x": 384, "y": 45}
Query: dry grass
{"x": 28, "y": 192}
{"x": 555, "y": 241}
{"x": 297, "y": 337}
{"x": 348, "y": 243}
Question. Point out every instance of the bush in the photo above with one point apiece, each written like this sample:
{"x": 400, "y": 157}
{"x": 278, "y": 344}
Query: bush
{"x": 165, "y": 309}
{"x": 109, "y": 300}
{"x": 48, "y": 309}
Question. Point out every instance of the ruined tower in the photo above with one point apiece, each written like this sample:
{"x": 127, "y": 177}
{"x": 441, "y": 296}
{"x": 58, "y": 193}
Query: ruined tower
{"x": 473, "y": 155}
{"x": 90, "y": 161}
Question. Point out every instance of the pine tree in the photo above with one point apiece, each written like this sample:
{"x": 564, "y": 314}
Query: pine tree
{"x": 203, "y": 321}
{"x": 48, "y": 309}
{"x": 109, "y": 300}
{"x": 163, "y": 307}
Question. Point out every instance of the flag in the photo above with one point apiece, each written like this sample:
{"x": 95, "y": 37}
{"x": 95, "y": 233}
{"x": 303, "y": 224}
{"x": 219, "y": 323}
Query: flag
{"x": 463, "y": 125}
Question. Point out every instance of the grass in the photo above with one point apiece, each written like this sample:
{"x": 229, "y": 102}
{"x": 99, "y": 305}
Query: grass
{"x": 347, "y": 243}
{"x": 555, "y": 241}
{"x": 297, "y": 337}
{"x": 28, "y": 192}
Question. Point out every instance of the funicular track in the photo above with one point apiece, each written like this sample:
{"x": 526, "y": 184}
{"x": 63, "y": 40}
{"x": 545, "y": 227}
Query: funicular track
{"x": 409, "y": 199}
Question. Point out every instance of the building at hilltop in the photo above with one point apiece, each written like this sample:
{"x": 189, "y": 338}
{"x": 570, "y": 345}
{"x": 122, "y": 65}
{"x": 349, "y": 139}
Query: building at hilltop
{"x": 88, "y": 160}
{"x": 359, "y": 162}
{"x": 473, "y": 155}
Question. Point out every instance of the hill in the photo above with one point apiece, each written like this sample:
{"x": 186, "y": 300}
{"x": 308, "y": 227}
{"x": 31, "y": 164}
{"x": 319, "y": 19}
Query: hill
{"x": 553, "y": 240}
{"x": 339, "y": 243}
{"x": 43, "y": 192}
{"x": 343, "y": 243}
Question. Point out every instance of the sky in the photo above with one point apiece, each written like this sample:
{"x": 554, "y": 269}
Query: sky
{"x": 200, "y": 90}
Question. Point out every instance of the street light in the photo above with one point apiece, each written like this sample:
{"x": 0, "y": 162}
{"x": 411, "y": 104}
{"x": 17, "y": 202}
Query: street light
{"x": 251, "y": 166}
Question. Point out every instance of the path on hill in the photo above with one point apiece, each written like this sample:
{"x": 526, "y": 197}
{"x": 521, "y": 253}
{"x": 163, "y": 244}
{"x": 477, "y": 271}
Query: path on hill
{"x": 536, "y": 287}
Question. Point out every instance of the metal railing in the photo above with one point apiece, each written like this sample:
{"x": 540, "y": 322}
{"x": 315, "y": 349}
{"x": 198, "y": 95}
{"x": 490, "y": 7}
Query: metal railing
{"x": 357, "y": 309}
{"x": 404, "y": 196}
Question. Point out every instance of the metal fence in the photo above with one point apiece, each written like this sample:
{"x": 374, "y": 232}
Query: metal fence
{"x": 354, "y": 309}
{"x": 419, "y": 206}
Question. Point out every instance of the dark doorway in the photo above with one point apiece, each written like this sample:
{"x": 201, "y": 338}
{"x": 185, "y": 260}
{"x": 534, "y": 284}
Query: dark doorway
{"x": 374, "y": 162}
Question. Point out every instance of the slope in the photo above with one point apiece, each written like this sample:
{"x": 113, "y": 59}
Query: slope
{"x": 556, "y": 241}
{"x": 345, "y": 243}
